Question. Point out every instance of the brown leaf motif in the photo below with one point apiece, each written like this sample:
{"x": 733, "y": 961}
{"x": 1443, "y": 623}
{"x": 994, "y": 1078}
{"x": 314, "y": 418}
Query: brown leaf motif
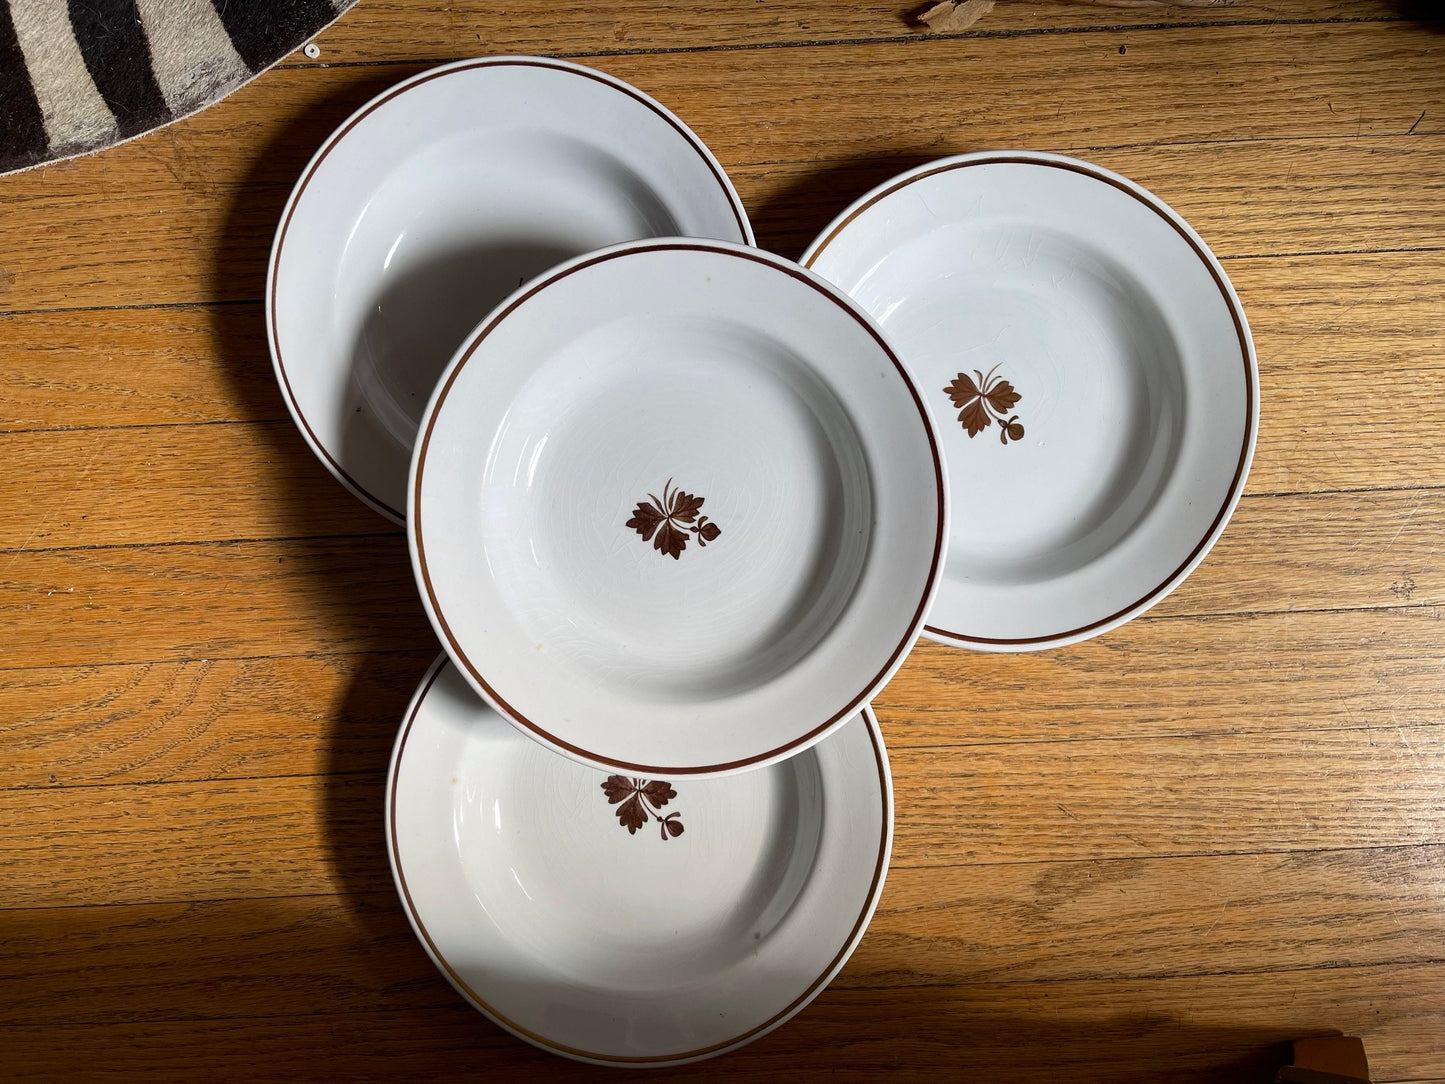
{"x": 667, "y": 523}
{"x": 637, "y": 800}
{"x": 982, "y": 402}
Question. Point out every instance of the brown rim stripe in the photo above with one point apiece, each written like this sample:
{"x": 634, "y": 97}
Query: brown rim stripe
{"x": 376, "y": 103}
{"x": 414, "y": 526}
{"x": 1204, "y": 256}
{"x": 849, "y": 943}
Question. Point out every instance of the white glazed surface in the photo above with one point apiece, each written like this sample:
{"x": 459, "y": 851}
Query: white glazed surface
{"x": 1136, "y": 383}
{"x": 434, "y": 202}
{"x": 604, "y": 944}
{"x": 618, "y": 379}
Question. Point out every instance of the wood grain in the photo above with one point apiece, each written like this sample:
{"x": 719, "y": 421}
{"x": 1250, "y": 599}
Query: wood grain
{"x": 302, "y": 953}
{"x": 387, "y": 29}
{"x": 1327, "y": 329}
{"x": 1166, "y": 917}
{"x": 1125, "y": 797}
{"x": 1229, "y": 1029}
{"x": 67, "y": 607}
{"x": 175, "y": 841}
{"x": 190, "y": 483}
{"x": 212, "y": 719}
{"x": 193, "y": 234}
{"x": 1137, "y": 919}
{"x": 999, "y": 804}
{"x": 311, "y": 715}
{"x": 1160, "y": 854}
{"x": 1179, "y": 677}
{"x": 1246, "y": 197}
{"x": 1321, "y": 551}
{"x": 153, "y": 366}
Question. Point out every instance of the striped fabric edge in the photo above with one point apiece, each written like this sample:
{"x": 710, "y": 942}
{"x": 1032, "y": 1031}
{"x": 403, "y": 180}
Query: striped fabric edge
{"x": 81, "y": 76}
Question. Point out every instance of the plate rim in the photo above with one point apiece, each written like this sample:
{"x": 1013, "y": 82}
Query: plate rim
{"x": 414, "y": 526}
{"x": 797, "y": 1005}
{"x": 1196, "y": 555}
{"x": 273, "y": 262}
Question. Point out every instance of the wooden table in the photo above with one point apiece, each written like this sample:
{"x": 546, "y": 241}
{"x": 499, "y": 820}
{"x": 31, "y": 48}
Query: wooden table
{"x": 1176, "y": 846}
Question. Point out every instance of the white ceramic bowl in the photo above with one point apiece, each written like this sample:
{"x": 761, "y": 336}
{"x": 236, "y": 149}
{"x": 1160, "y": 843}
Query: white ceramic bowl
{"x": 631, "y": 921}
{"x": 433, "y": 202}
{"x": 677, "y": 509}
{"x": 1091, "y": 372}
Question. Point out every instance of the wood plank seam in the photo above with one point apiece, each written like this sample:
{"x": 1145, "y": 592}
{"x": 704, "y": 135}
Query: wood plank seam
{"x": 167, "y": 425}
{"x": 1183, "y": 856}
{"x": 1205, "y": 615}
{"x": 1225, "y": 258}
{"x": 340, "y": 773}
{"x": 318, "y": 655}
{"x": 1252, "y": 496}
{"x": 1150, "y": 976}
{"x": 913, "y": 38}
{"x": 1407, "y": 608}
{"x": 149, "y": 547}
{"x": 899, "y": 988}
{"x": 1095, "y": 741}
{"x": 1151, "y": 857}
{"x": 466, "y": 1009}
{"x": 895, "y": 864}
{"x": 1130, "y": 737}
{"x": 1324, "y": 252}
{"x": 394, "y": 532}
{"x": 159, "y": 305}
{"x": 1380, "y": 849}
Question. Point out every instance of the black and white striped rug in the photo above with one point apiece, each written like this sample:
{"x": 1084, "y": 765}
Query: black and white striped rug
{"x": 80, "y": 75}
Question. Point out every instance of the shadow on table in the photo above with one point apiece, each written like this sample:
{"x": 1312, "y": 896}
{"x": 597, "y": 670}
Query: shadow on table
{"x": 787, "y": 222}
{"x": 359, "y": 571}
{"x": 325, "y": 989}
{"x": 1430, "y": 13}
{"x": 916, "y": 1033}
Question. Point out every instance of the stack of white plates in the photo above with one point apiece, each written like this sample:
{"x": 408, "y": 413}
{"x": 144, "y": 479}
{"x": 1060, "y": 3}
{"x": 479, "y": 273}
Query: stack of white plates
{"x": 679, "y": 508}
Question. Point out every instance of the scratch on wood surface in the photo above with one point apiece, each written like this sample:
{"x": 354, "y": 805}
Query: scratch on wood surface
{"x": 1405, "y": 521}
{"x": 1414, "y": 756}
{"x": 1395, "y": 917}
{"x": 1336, "y": 321}
{"x": 20, "y": 551}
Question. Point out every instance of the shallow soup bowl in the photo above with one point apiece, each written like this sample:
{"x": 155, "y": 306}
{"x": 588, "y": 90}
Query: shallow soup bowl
{"x": 677, "y": 508}
{"x": 1091, "y": 371}
{"x": 630, "y": 920}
